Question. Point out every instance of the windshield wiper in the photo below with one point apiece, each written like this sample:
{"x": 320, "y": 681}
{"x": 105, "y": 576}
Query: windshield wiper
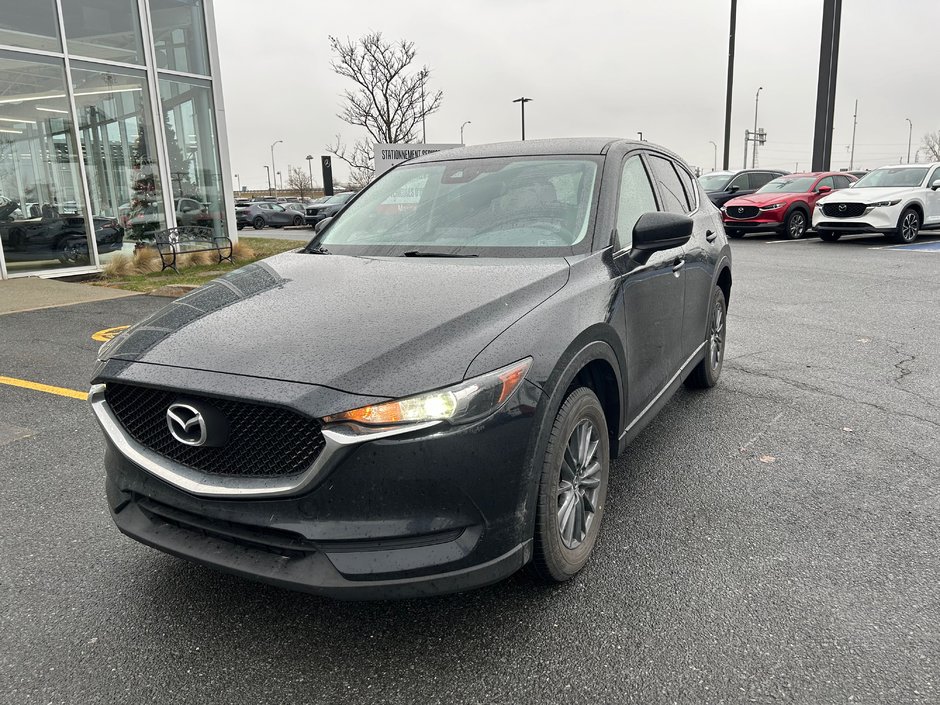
{"x": 419, "y": 253}
{"x": 318, "y": 250}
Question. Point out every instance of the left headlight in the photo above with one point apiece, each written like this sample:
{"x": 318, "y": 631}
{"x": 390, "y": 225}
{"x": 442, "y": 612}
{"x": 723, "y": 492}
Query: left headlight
{"x": 772, "y": 207}
{"x": 467, "y": 401}
{"x": 884, "y": 204}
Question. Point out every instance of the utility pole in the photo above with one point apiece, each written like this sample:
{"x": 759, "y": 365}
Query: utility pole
{"x": 727, "y": 142}
{"x": 854, "y": 125}
{"x": 273, "y": 170}
{"x": 424, "y": 131}
{"x": 826, "y": 85}
{"x": 715, "y": 160}
{"x": 910, "y": 134}
{"x": 754, "y": 152}
{"x": 522, "y": 101}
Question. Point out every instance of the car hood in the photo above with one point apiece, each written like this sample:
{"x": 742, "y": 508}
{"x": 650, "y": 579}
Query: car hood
{"x": 385, "y": 327}
{"x": 762, "y": 199}
{"x": 866, "y": 195}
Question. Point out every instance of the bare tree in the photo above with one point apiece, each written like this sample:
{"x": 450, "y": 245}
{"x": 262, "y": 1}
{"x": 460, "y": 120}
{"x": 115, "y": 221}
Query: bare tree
{"x": 389, "y": 100}
{"x": 931, "y": 145}
{"x": 300, "y": 181}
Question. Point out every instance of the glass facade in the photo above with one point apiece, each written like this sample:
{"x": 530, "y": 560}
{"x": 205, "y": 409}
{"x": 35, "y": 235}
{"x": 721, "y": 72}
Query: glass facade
{"x": 108, "y": 129}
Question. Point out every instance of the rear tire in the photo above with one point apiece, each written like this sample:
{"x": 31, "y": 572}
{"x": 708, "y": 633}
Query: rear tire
{"x": 706, "y": 373}
{"x": 257, "y": 223}
{"x": 572, "y": 488}
{"x": 298, "y": 221}
{"x": 828, "y": 235}
{"x": 908, "y": 227}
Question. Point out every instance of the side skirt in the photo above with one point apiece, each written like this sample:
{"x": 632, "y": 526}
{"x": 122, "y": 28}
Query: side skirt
{"x": 659, "y": 401}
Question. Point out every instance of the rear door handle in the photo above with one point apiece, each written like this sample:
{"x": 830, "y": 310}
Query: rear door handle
{"x": 710, "y": 236}
{"x": 678, "y": 264}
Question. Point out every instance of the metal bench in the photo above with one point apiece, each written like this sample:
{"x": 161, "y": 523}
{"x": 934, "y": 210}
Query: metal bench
{"x": 190, "y": 238}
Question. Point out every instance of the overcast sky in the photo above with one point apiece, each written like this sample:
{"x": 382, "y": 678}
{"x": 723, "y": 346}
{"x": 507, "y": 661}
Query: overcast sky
{"x": 593, "y": 68}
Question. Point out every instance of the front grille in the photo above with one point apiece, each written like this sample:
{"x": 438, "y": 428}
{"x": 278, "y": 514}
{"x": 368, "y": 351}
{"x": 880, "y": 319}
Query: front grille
{"x": 264, "y": 441}
{"x": 743, "y": 212}
{"x": 843, "y": 210}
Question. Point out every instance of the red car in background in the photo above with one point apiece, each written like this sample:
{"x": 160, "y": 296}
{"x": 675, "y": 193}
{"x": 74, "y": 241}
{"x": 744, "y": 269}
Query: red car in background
{"x": 785, "y": 205}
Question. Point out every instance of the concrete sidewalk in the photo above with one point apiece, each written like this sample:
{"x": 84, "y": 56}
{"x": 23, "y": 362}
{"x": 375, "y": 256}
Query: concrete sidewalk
{"x": 32, "y": 293}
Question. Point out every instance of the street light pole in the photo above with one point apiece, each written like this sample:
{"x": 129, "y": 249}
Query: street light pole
{"x": 640, "y": 135}
{"x": 461, "y": 130}
{"x": 267, "y": 169}
{"x": 239, "y": 182}
{"x": 727, "y": 141}
{"x": 273, "y": 170}
{"x": 754, "y": 148}
{"x": 715, "y": 160}
{"x": 424, "y": 132}
{"x": 854, "y": 125}
{"x": 310, "y": 169}
{"x": 910, "y": 134}
{"x": 522, "y": 101}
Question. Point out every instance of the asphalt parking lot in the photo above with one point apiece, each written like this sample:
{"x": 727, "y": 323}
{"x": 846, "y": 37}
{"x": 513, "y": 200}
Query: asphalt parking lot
{"x": 773, "y": 540}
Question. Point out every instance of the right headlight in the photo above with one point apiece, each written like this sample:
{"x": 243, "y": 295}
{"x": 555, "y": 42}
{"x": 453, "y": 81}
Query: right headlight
{"x": 884, "y": 204}
{"x": 464, "y": 402}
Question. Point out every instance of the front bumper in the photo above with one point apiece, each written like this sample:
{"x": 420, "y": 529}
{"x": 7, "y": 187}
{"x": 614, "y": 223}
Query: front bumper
{"x": 759, "y": 224}
{"x": 873, "y": 220}
{"x": 440, "y": 510}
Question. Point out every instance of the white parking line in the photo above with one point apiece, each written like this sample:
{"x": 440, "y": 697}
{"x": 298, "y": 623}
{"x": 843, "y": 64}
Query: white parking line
{"x": 778, "y": 242}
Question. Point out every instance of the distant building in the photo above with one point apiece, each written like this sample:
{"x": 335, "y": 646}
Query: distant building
{"x": 111, "y": 126}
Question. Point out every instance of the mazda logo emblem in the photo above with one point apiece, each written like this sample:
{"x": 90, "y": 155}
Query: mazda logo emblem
{"x": 186, "y": 424}
{"x": 842, "y": 206}
{"x": 740, "y": 210}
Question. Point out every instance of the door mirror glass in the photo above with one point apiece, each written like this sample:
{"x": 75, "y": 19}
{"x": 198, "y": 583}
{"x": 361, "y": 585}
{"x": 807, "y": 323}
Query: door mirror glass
{"x": 660, "y": 231}
{"x": 935, "y": 185}
{"x": 733, "y": 188}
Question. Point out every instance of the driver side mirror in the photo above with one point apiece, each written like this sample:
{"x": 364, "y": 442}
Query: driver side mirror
{"x": 935, "y": 185}
{"x": 322, "y": 224}
{"x": 823, "y": 189}
{"x": 659, "y": 231}
{"x": 733, "y": 189}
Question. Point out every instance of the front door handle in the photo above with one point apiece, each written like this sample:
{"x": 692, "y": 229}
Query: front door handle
{"x": 678, "y": 264}
{"x": 710, "y": 236}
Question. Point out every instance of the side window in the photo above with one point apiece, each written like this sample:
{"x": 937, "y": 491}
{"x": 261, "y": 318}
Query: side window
{"x": 760, "y": 179}
{"x": 934, "y": 177}
{"x": 688, "y": 184}
{"x": 741, "y": 181}
{"x": 636, "y": 198}
{"x": 827, "y": 181}
{"x": 670, "y": 188}
{"x": 277, "y": 208}
{"x": 840, "y": 182}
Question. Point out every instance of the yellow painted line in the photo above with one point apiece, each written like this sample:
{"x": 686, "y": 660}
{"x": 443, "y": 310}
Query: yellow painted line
{"x": 103, "y": 336}
{"x": 48, "y": 388}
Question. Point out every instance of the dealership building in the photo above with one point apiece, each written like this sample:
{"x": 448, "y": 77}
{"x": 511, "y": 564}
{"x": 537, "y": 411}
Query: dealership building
{"x": 111, "y": 126}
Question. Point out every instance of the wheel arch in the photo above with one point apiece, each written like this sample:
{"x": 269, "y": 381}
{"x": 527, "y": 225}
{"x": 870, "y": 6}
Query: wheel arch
{"x": 724, "y": 280}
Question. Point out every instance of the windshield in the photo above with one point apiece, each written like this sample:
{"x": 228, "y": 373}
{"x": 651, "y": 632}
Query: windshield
{"x": 786, "y": 185}
{"x": 714, "y": 182}
{"x": 490, "y": 207}
{"x": 900, "y": 176}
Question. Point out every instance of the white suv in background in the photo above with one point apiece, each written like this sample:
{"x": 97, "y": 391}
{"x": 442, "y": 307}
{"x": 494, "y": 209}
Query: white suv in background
{"x": 896, "y": 201}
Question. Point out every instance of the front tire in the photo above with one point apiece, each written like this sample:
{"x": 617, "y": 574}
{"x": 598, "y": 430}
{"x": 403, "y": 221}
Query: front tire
{"x": 795, "y": 226}
{"x": 706, "y": 373}
{"x": 734, "y": 234}
{"x": 258, "y": 223}
{"x": 908, "y": 227}
{"x": 828, "y": 235}
{"x": 572, "y": 488}
{"x": 298, "y": 221}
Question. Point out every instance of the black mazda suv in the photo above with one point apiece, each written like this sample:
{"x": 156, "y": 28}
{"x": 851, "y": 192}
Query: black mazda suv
{"x": 429, "y": 395}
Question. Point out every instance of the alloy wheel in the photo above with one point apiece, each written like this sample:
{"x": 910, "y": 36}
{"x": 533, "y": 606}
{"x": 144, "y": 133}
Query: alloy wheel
{"x": 909, "y": 226}
{"x": 716, "y": 336}
{"x": 578, "y": 484}
{"x": 797, "y": 226}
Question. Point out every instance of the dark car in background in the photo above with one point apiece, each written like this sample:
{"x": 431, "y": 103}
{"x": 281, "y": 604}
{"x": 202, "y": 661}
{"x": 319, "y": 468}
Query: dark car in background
{"x": 784, "y": 206}
{"x": 264, "y": 213}
{"x": 722, "y": 186}
{"x": 328, "y": 208}
{"x": 52, "y": 235}
{"x": 425, "y": 398}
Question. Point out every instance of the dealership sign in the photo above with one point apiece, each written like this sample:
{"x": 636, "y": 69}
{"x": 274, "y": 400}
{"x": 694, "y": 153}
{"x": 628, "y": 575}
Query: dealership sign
{"x": 388, "y": 155}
